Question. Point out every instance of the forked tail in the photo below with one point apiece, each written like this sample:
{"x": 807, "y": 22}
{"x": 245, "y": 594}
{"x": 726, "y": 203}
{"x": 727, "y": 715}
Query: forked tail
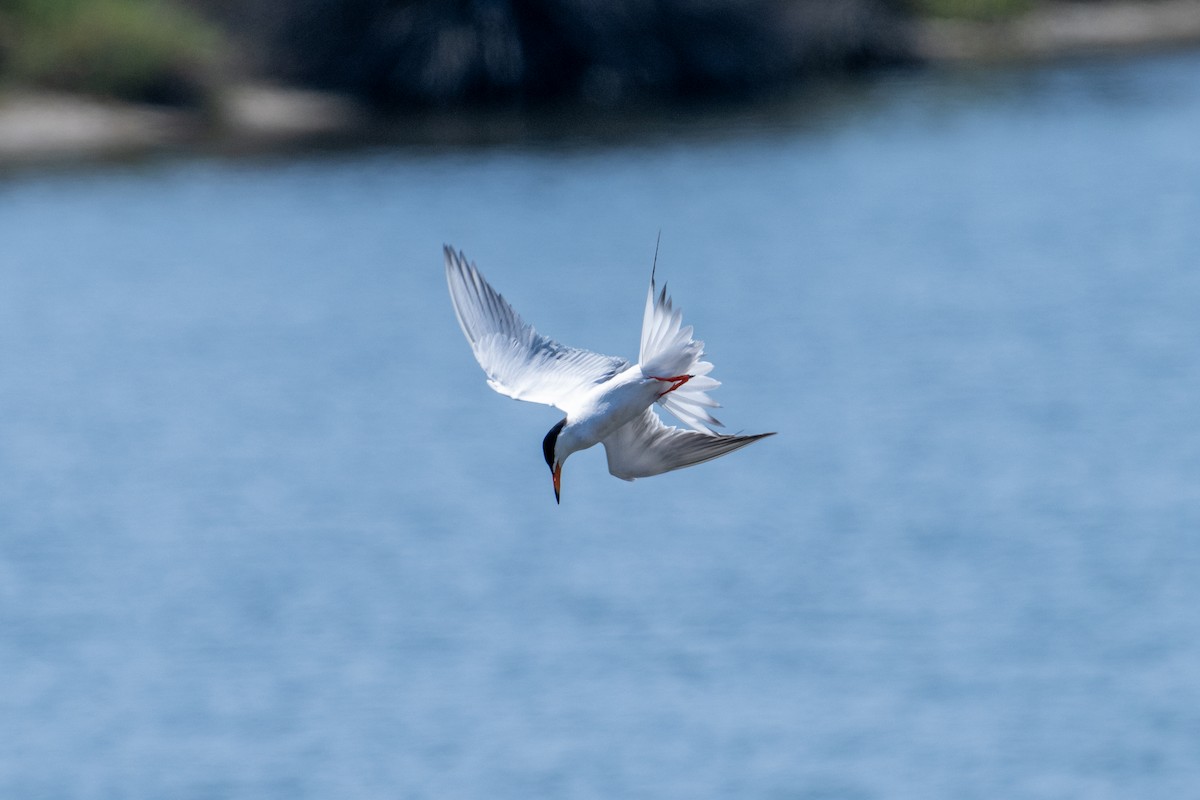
{"x": 668, "y": 350}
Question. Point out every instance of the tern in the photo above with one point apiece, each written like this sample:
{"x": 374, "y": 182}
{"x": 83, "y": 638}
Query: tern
{"x": 606, "y": 399}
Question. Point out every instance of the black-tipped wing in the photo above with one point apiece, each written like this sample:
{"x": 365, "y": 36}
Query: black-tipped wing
{"x": 519, "y": 362}
{"x": 648, "y": 447}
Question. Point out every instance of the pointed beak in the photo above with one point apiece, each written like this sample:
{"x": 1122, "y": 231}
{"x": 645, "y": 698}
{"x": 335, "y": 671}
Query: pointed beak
{"x": 557, "y": 482}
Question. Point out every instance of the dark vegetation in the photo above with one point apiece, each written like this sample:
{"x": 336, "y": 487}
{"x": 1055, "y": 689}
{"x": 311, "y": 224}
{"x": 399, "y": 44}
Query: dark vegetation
{"x": 142, "y": 50}
{"x": 448, "y": 52}
{"x": 440, "y": 53}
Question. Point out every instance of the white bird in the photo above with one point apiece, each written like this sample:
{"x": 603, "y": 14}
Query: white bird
{"x": 607, "y": 400}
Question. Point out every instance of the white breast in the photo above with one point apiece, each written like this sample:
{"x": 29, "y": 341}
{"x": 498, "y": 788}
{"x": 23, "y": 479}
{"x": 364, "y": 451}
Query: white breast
{"x": 609, "y": 406}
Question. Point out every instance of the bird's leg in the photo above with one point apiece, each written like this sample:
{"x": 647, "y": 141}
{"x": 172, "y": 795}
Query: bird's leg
{"x": 676, "y": 382}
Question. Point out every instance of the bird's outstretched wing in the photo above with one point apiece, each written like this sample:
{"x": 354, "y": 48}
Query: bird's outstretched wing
{"x": 646, "y": 447}
{"x": 519, "y": 361}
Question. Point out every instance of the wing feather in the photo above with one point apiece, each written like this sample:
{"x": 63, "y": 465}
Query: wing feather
{"x": 646, "y": 446}
{"x": 519, "y": 362}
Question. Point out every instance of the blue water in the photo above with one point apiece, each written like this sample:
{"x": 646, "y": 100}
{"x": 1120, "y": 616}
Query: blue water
{"x": 266, "y": 533}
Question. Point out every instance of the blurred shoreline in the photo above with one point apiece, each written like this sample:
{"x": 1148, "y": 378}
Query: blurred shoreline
{"x": 40, "y": 128}
{"x": 1062, "y": 30}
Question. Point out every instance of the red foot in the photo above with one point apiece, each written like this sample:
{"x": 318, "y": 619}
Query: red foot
{"x": 676, "y": 382}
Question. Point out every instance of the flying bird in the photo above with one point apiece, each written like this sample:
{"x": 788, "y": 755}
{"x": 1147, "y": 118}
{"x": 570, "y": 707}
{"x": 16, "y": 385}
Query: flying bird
{"x": 606, "y": 399}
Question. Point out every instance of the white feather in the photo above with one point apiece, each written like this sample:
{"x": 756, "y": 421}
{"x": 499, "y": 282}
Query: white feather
{"x": 605, "y": 398}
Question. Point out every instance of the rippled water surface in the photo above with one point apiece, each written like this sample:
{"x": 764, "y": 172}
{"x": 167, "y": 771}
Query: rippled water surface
{"x": 266, "y": 533}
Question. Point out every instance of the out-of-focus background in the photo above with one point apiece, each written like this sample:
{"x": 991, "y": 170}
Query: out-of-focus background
{"x": 266, "y": 533}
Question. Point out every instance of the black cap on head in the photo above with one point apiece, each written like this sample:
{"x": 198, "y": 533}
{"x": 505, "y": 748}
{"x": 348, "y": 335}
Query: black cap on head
{"x": 549, "y": 442}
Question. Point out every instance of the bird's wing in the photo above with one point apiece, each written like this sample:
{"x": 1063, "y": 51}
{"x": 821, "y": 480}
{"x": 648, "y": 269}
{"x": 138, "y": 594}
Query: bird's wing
{"x": 646, "y": 447}
{"x": 519, "y": 361}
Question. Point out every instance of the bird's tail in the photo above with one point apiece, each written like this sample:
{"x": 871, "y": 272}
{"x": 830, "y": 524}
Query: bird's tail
{"x": 668, "y": 350}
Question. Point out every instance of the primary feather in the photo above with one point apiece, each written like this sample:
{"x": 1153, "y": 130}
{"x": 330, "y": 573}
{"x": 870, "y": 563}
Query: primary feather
{"x": 648, "y": 447}
{"x": 519, "y": 362}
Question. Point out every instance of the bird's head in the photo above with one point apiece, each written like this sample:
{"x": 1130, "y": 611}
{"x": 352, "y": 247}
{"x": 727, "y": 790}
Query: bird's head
{"x": 553, "y": 459}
